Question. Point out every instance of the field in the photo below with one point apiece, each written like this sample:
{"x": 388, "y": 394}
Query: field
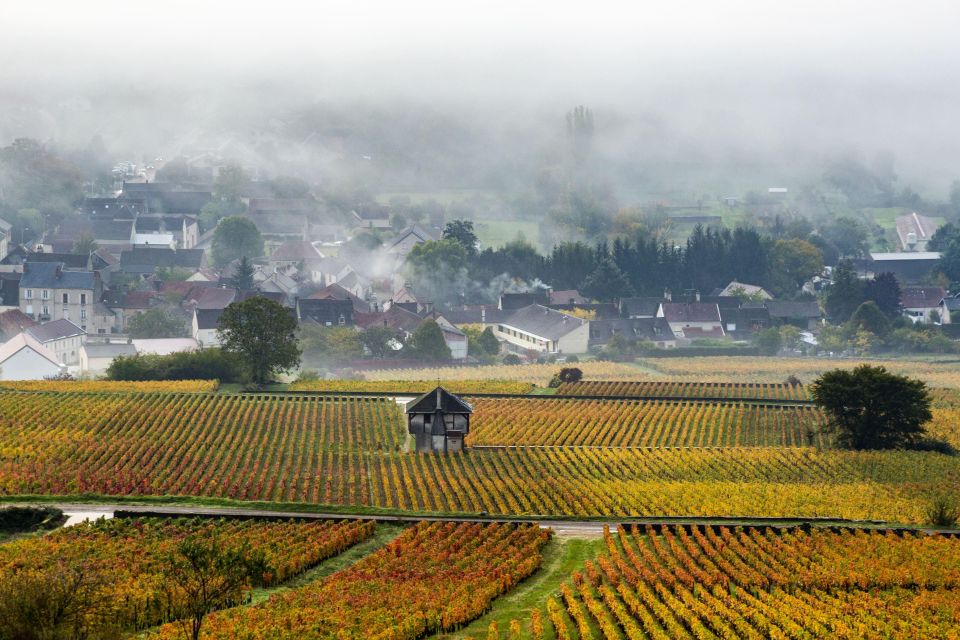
{"x": 173, "y": 386}
{"x": 760, "y": 583}
{"x": 433, "y": 577}
{"x": 126, "y": 558}
{"x": 936, "y": 372}
{"x": 538, "y": 374}
{"x": 641, "y": 423}
{"x": 685, "y": 389}
{"x": 413, "y": 386}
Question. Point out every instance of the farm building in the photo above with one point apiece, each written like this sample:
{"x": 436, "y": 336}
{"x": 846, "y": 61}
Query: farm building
{"x": 439, "y": 420}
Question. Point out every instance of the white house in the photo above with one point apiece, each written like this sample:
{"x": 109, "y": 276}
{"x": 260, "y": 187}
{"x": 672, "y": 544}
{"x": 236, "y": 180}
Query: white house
{"x": 692, "y": 319}
{"x": 539, "y": 328}
{"x": 205, "y": 327}
{"x": 95, "y": 358}
{"x": 164, "y": 346}
{"x": 920, "y": 303}
{"x": 62, "y": 337}
{"x": 22, "y": 357}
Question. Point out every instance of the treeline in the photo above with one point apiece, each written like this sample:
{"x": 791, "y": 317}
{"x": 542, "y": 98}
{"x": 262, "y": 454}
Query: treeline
{"x": 206, "y": 364}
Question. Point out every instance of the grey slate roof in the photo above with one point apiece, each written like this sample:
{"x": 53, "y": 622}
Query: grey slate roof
{"x": 439, "y": 400}
{"x": 111, "y": 350}
{"x": 786, "y": 309}
{"x": 691, "y": 312}
{"x": 640, "y": 307}
{"x": 543, "y": 322}
{"x": 52, "y": 275}
{"x": 208, "y": 318}
{"x": 653, "y": 329}
{"x": 146, "y": 260}
{"x": 55, "y": 330}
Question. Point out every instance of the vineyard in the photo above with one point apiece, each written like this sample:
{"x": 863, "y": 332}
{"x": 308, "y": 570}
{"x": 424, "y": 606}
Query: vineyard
{"x": 638, "y": 423}
{"x": 538, "y": 374}
{"x": 759, "y": 583}
{"x": 128, "y": 557}
{"x": 151, "y": 386}
{"x": 413, "y": 386}
{"x": 433, "y": 577}
{"x": 684, "y": 389}
{"x": 776, "y": 370}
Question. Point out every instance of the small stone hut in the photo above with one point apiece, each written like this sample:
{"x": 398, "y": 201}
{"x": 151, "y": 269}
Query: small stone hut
{"x": 439, "y": 420}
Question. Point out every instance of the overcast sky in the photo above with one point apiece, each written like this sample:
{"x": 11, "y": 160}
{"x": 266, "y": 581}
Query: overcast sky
{"x": 868, "y": 74}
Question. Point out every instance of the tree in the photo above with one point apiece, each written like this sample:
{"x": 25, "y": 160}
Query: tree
{"x": 243, "y": 275}
{"x": 845, "y": 294}
{"x": 234, "y": 238}
{"x": 884, "y": 290}
{"x": 85, "y": 244}
{"x": 794, "y": 262}
{"x": 379, "y": 341}
{"x": 427, "y": 342}
{"x": 263, "y": 333}
{"x": 769, "y": 341}
{"x": 229, "y": 183}
{"x": 871, "y": 408}
{"x": 868, "y": 317}
{"x": 488, "y": 342}
{"x": 849, "y": 236}
{"x": 207, "y": 573}
{"x": 158, "y": 322}
{"x": 462, "y": 232}
{"x": 606, "y": 282}
{"x": 439, "y": 267}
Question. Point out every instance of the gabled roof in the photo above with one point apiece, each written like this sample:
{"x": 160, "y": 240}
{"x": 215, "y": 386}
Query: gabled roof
{"x": 102, "y": 230}
{"x": 113, "y": 208}
{"x": 109, "y": 350}
{"x": 138, "y": 300}
{"x": 439, "y": 400}
{"x": 395, "y": 317}
{"x": 653, "y": 329}
{"x": 147, "y": 259}
{"x": 372, "y": 211}
{"x": 212, "y": 297}
{"x": 207, "y": 318}
{"x": 336, "y": 292}
{"x": 784, "y": 309}
{"x": 921, "y": 297}
{"x": 922, "y": 226}
{"x": 296, "y": 251}
{"x": 641, "y": 307}
{"x": 543, "y": 322}
{"x": 691, "y": 312}
{"x": 735, "y": 288}
{"x": 567, "y": 296}
{"x": 52, "y": 275}
{"x": 13, "y": 321}
{"x": 55, "y": 330}
{"x": 23, "y": 341}
{"x": 420, "y": 233}
{"x": 478, "y": 314}
{"x": 75, "y": 261}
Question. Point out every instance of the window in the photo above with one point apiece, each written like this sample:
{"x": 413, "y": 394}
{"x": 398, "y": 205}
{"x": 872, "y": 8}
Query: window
{"x": 66, "y": 298}
{"x": 83, "y": 298}
{"x": 341, "y": 320}
{"x": 29, "y": 309}
{"x": 28, "y": 294}
{"x": 83, "y": 314}
{"x": 45, "y": 310}
{"x": 66, "y": 314}
{"x": 45, "y": 294}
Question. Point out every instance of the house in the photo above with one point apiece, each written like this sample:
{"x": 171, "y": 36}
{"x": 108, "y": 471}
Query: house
{"x": 96, "y": 357}
{"x": 914, "y": 231}
{"x": 642, "y": 307}
{"x": 336, "y": 292}
{"x": 803, "y": 314}
{"x": 371, "y": 216}
{"x": 113, "y": 208}
{"x": 397, "y": 318}
{"x": 740, "y": 290}
{"x": 539, "y": 328}
{"x": 693, "y": 319}
{"x": 482, "y": 315}
{"x": 455, "y": 339}
{"x": 921, "y": 303}
{"x": 10, "y": 288}
{"x": 949, "y": 310}
{"x": 164, "y": 346}
{"x": 62, "y": 337}
{"x": 71, "y": 261}
{"x": 655, "y": 330}
{"x": 740, "y": 323}
{"x": 439, "y": 421}
{"x": 184, "y": 229}
{"x": 127, "y": 304}
{"x": 167, "y": 197}
{"x": 907, "y": 267}
{"x": 107, "y": 233}
{"x": 327, "y": 312}
{"x": 22, "y": 357}
{"x": 514, "y": 301}
{"x": 144, "y": 261}
{"x": 5, "y": 232}
{"x": 12, "y": 322}
{"x": 404, "y": 242}
{"x": 293, "y": 253}
{"x": 567, "y": 297}
{"x": 50, "y": 292}
{"x": 205, "y": 329}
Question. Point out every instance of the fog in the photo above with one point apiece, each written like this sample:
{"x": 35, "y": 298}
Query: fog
{"x": 688, "y": 97}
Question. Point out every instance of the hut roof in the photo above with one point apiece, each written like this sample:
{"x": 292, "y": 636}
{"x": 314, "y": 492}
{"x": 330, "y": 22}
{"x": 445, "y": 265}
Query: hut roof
{"x": 439, "y": 400}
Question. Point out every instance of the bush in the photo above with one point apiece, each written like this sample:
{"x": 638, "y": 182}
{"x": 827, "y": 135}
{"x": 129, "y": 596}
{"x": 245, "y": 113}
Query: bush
{"x": 512, "y": 358}
{"x": 570, "y": 374}
{"x": 16, "y": 519}
{"x": 943, "y": 513}
{"x": 207, "y": 364}
{"x": 572, "y": 359}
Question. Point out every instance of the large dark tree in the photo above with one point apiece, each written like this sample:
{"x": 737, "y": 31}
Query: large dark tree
{"x": 845, "y": 294}
{"x": 884, "y": 290}
{"x": 871, "y": 408}
{"x": 427, "y": 342}
{"x": 606, "y": 282}
{"x": 263, "y": 333}
{"x": 462, "y": 231}
{"x": 234, "y": 238}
